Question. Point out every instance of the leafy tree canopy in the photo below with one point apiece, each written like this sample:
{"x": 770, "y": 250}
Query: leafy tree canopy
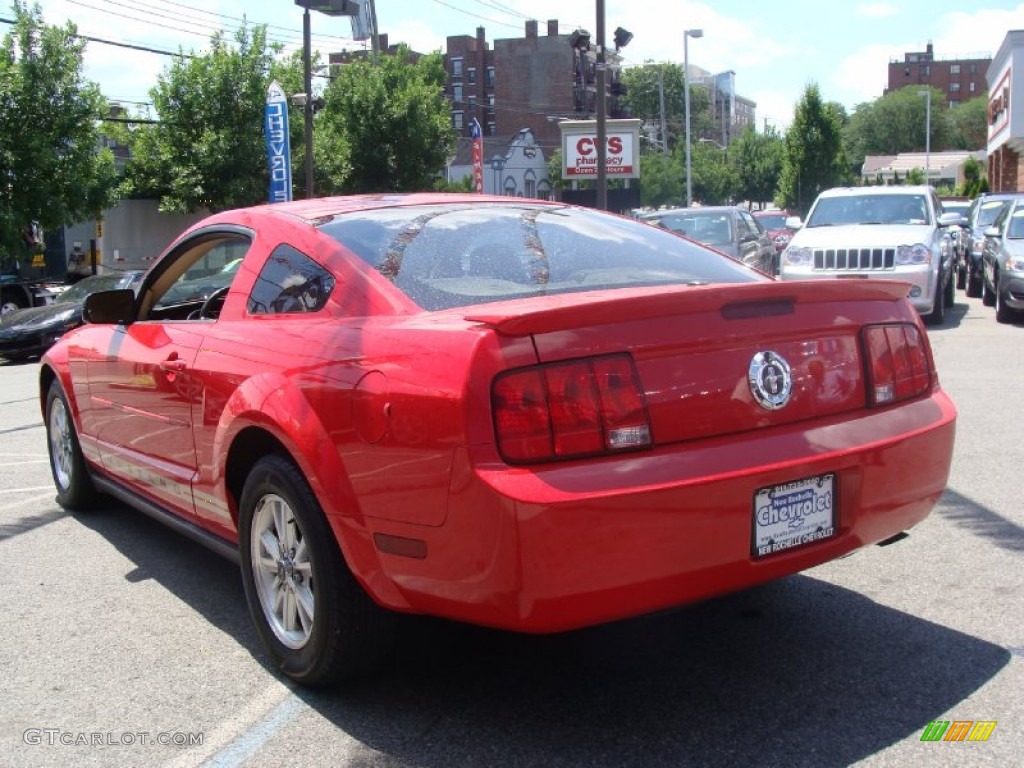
{"x": 52, "y": 169}
{"x": 208, "y": 149}
{"x": 386, "y": 123}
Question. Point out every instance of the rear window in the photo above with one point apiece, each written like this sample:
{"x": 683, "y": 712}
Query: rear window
{"x": 457, "y": 255}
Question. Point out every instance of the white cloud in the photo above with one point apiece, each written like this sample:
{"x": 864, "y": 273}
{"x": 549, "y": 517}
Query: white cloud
{"x": 876, "y": 10}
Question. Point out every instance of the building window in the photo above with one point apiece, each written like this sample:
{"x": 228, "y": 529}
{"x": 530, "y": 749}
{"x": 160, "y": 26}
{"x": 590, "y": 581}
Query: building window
{"x": 471, "y": 75}
{"x": 974, "y": 69}
{"x": 457, "y": 120}
{"x": 457, "y": 95}
{"x": 530, "y": 183}
{"x": 489, "y": 77}
{"x": 954, "y": 69}
{"x": 954, "y": 87}
{"x": 492, "y": 129}
{"x": 970, "y": 87}
{"x": 457, "y": 68}
{"x": 472, "y": 103}
{"x": 926, "y": 70}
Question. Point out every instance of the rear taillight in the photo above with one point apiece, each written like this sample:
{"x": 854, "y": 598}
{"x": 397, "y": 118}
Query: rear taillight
{"x": 567, "y": 410}
{"x": 897, "y": 362}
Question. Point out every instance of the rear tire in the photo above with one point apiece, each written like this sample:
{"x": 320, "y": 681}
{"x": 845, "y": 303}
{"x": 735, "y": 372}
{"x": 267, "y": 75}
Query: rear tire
{"x": 973, "y": 286}
{"x": 314, "y": 618}
{"x": 988, "y": 296}
{"x": 67, "y": 465}
{"x": 11, "y": 302}
{"x": 1004, "y": 314}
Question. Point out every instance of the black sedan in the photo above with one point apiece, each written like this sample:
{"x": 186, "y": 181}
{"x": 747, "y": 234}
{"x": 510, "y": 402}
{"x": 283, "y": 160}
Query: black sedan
{"x": 29, "y": 332}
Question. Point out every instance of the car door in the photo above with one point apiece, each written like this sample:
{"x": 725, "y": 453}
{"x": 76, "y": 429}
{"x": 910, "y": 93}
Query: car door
{"x": 142, "y": 386}
{"x": 756, "y": 246}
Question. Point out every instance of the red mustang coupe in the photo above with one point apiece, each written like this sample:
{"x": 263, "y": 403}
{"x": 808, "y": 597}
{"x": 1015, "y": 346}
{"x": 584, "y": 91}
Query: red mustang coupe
{"x": 503, "y": 411}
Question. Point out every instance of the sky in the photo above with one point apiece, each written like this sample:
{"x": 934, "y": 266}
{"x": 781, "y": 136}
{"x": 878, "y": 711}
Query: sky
{"x": 775, "y": 48}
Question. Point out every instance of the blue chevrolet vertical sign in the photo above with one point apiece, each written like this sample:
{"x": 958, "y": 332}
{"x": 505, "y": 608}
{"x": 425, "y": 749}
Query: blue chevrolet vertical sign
{"x": 275, "y": 122}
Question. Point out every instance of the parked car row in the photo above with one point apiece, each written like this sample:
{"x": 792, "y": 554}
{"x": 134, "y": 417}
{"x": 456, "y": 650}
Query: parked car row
{"x": 1002, "y": 262}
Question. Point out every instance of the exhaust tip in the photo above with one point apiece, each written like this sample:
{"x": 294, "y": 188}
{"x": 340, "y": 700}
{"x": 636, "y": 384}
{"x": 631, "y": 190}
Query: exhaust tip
{"x": 893, "y": 539}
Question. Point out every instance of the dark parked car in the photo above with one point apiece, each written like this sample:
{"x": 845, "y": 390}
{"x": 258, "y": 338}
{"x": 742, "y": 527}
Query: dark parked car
{"x": 980, "y": 216}
{"x": 29, "y": 332}
{"x": 1003, "y": 263}
{"x": 727, "y": 228}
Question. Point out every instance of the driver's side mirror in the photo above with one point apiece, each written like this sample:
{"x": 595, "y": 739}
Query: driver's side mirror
{"x": 793, "y": 222}
{"x": 110, "y": 307}
{"x": 993, "y": 232}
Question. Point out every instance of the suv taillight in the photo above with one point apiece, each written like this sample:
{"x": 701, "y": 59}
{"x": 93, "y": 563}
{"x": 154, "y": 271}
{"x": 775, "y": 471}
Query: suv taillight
{"x": 897, "y": 362}
{"x": 566, "y": 410}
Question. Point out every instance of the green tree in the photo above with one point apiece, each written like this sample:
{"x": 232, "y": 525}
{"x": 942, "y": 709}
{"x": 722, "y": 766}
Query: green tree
{"x": 814, "y": 158}
{"x": 970, "y": 123}
{"x": 713, "y": 179}
{"x": 52, "y": 170}
{"x": 662, "y": 180}
{"x": 756, "y": 159}
{"x": 974, "y": 178}
{"x": 896, "y": 123}
{"x": 208, "y": 148}
{"x": 386, "y": 119}
{"x": 643, "y": 100}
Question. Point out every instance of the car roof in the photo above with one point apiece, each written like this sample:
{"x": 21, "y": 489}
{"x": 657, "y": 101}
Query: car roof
{"x": 321, "y": 207}
{"x": 858, "y": 191}
{"x": 693, "y": 209}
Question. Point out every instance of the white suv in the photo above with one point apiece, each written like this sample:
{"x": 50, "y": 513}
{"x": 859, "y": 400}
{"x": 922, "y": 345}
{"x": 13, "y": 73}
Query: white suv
{"x": 896, "y": 233}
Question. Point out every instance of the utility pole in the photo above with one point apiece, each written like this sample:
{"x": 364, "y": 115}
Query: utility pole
{"x": 661, "y": 110}
{"x": 602, "y": 108}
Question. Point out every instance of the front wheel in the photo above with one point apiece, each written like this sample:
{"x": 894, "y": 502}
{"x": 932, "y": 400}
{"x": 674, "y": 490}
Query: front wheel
{"x": 1004, "y": 314}
{"x": 317, "y": 622}
{"x": 67, "y": 465}
{"x": 938, "y": 314}
{"x": 988, "y": 296}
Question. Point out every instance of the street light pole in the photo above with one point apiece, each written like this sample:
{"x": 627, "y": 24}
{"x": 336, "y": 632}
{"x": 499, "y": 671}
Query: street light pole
{"x": 307, "y": 107}
{"x": 328, "y": 8}
{"x": 927, "y": 133}
{"x": 687, "y": 34}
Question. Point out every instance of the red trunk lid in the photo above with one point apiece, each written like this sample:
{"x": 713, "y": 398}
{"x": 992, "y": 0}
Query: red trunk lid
{"x": 694, "y": 346}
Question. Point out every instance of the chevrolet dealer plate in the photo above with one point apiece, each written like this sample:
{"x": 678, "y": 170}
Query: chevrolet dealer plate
{"x": 794, "y": 514}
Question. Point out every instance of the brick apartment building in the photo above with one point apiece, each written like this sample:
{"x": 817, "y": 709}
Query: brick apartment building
{"x": 524, "y": 82}
{"x": 961, "y": 79}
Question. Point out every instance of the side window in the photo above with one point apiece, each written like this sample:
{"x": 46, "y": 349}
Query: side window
{"x": 199, "y": 270}
{"x": 290, "y": 282}
{"x": 750, "y": 225}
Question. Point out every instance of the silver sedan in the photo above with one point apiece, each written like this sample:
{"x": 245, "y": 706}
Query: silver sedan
{"x": 1003, "y": 263}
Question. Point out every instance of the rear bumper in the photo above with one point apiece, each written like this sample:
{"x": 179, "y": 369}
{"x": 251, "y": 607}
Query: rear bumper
{"x": 579, "y": 544}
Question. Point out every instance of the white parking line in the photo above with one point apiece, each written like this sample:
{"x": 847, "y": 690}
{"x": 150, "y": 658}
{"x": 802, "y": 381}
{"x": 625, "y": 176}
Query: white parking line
{"x": 244, "y": 732}
{"x": 21, "y": 502}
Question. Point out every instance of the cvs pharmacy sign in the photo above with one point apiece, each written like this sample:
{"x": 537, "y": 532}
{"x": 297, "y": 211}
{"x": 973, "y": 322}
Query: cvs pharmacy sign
{"x": 580, "y": 148}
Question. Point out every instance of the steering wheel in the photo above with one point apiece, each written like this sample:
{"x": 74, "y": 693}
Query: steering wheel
{"x": 214, "y": 303}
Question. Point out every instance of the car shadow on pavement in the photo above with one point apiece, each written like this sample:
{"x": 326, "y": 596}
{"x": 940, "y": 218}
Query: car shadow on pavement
{"x": 799, "y": 672}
